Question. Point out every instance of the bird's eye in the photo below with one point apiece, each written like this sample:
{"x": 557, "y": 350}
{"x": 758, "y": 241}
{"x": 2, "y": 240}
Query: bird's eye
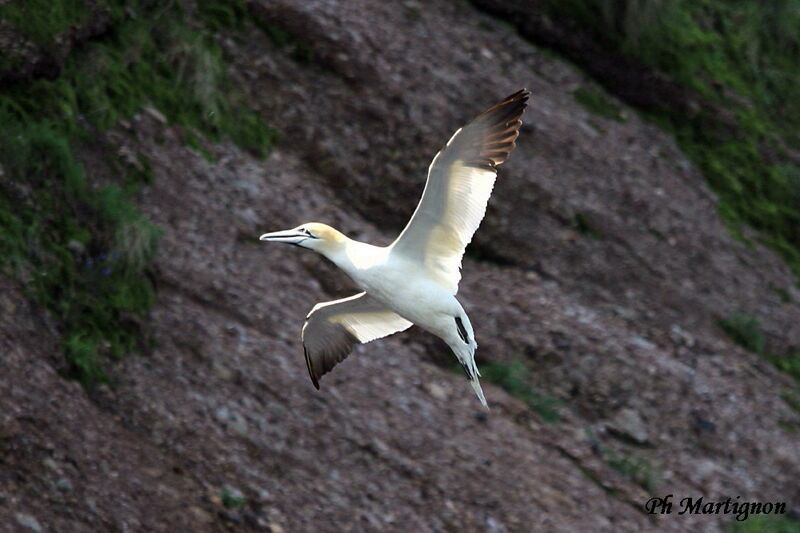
{"x": 305, "y": 230}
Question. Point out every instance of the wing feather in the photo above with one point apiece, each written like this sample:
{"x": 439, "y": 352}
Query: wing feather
{"x": 460, "y": 181}
{"x": 333, "y": 328}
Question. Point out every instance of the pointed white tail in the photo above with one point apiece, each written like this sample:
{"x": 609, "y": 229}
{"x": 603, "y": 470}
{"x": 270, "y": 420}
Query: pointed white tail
{"x": 476, "y": 386}
{"x": 466, "y": 356}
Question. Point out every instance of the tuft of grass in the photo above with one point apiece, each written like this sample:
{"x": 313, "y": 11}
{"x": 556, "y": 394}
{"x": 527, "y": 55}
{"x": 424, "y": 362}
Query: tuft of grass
{"x": 636, "y": 468}
{"x": 223, "y": 14}
{"x": 513, "y": 379}
{"x": 83, "y": 251}
{"x": 765, "y": 524}
{"x": 792, "y": 399}
{"x": 596, "y": 102}
{"x": 789, "y": 364}
{"x": 584, "y": 226}
{"x": 232, "y": 498}
{"x": 299, "y": 51}
{"x": 745, "y": 331}
{"x": 782, "y": 293}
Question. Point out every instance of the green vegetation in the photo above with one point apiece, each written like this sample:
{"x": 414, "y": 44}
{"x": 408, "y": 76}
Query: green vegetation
{"x": 782, "y": 293}
{"x": 792, "y": 399}
{"x": 233, "y": 14}
{"x": 164, "y": 63}
{"x": 598, "y": 103}
{"x": 513, "y": 378}
{"x": 232, "y": 498}
{"x": 745, "y": 331}
{"x": 83, "y": 250}
{"x": 42, "y": 20}
{"x": 765, "y": 524}
{"x": 298, "y": 50}
{"x": 742, "y": 58}
{"x": 636, "y": 468}
{"x": 790, "y": 364}
{"x": 584, "y": 226}
{"x": 632, "y": 465}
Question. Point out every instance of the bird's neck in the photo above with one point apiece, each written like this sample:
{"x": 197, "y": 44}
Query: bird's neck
{"x": 353, "y": 256}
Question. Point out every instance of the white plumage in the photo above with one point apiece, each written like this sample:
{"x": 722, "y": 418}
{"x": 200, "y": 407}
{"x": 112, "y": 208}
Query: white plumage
{"x": 414, "y": 280}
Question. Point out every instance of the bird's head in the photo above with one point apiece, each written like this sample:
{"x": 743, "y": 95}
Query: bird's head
{"x": 313, "y": 235}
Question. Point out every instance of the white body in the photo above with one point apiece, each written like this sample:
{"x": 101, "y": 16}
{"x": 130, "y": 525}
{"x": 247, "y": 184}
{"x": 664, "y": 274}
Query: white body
{"x": 404, "y": 286}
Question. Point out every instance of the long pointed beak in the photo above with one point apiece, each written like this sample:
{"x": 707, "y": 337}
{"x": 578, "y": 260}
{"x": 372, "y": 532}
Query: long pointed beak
{"x": 288, "y": 236}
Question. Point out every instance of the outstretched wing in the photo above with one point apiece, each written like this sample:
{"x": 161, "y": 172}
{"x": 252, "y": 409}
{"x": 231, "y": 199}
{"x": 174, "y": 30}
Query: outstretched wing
{"x": 460, "y": 181}
{"x": 333, "y": 328}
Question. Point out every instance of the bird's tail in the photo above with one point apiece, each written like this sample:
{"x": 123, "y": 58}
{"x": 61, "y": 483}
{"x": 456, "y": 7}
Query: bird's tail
{"x": 476, "y": 386}
{"x": 466, "y": 356}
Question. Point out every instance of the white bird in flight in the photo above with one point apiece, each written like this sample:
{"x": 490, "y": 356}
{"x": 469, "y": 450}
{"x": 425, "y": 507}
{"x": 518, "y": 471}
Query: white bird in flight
{"x": 415, "y": 279}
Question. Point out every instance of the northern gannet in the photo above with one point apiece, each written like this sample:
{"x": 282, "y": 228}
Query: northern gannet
{"x": 415, "y": 279}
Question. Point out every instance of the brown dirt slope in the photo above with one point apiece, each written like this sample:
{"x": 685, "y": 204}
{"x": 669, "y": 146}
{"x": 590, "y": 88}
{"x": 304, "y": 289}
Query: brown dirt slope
{"x": 619, "y": 326}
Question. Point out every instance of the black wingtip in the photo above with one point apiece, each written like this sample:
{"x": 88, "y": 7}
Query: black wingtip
{"x": 508, "y": 111}
{"x": 520, "y": 96}
{"x": 310, "y": 370}
{"x": 519, "y": 101}
{"x": 500, "y": 123}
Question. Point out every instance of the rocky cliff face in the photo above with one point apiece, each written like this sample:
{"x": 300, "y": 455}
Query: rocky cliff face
{"x": 601, "y": 265}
